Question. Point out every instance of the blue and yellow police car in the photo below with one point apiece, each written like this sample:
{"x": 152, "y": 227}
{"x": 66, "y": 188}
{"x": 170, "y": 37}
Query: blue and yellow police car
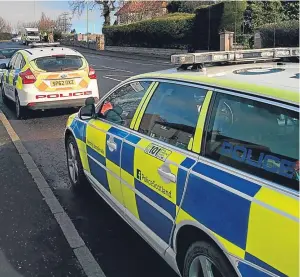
{"x": 203, "y": 162}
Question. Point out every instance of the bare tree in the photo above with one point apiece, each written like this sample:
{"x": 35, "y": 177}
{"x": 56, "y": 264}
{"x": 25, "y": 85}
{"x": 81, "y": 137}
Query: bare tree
{"x": 63, "y": 23}
{"x": 31, "y": 24}
{"x": 45, "y": 24}
{"x": 4, "y": 26}
{"x": 105, "y": 6}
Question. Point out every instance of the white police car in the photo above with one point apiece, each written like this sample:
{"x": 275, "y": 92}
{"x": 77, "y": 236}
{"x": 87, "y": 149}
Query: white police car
{"x": 45, "y": 77}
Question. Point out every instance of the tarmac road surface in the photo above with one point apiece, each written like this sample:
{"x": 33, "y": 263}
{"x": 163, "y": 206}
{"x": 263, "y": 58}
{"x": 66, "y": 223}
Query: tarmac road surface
{"x": 116, "y": 247}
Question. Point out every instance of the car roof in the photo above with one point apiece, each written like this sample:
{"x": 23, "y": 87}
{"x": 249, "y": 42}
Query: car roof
{"x": 39, "y": 52}
{"x": 270, "y": 80}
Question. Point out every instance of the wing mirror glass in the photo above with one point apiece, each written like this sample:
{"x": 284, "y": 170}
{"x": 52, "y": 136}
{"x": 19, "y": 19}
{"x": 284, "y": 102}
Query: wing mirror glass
{"x": 87, "y": 112}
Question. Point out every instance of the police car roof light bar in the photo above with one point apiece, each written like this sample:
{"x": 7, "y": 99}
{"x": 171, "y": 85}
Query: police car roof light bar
{"x": 49, "y": 44}
{"x": 185, "y": 60}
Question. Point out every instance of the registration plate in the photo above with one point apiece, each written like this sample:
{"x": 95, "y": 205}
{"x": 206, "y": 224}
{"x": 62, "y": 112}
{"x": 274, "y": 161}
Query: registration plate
{"x": 62, "y": 83}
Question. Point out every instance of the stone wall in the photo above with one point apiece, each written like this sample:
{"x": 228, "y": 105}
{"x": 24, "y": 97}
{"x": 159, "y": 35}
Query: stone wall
{"x": 160, "y": 52}
{"x": 149, "y": 51}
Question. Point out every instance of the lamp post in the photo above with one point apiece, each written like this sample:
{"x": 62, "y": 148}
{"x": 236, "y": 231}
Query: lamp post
{"x": 87, "y": 23}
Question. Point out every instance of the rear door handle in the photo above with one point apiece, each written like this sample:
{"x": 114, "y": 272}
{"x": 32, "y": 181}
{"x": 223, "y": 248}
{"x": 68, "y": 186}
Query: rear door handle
{"x": 166, "y": 175}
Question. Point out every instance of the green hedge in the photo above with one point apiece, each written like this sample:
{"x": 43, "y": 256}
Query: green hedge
{"x": 181, "y": 30}
{"x": 172, "y": 31}
{"x": 5, "y": 36}
{"x": 210, "y": 20}
{"x": 286, "y": 34}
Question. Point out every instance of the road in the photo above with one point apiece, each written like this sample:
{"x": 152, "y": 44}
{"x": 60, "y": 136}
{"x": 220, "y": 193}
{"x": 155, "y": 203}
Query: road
{"x": 115, "y": 246}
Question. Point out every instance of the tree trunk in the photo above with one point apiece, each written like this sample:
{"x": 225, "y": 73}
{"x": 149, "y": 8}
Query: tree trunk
{"x": 106, "y": 13}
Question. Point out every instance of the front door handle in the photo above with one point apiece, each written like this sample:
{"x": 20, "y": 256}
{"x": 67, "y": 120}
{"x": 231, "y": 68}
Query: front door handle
{"x": 166, "y": 175}
{"x": 112, "y": 146}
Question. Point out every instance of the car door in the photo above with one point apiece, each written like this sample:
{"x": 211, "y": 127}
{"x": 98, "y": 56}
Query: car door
{"x": 105, "y": 134}
{"x": 244, "y": 188}
{"x": 157, "y": 157}
{"x": 8, "y": 77}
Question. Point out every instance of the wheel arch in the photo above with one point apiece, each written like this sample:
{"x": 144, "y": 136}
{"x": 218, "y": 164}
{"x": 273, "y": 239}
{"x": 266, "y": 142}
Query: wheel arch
{"x": 195, "y": 231}
{"x": 68, "y": 132}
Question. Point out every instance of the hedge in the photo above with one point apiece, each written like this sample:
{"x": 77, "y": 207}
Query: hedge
{"x": 286, "y": 34}
{"x": 5, "y": 36}
{"x": 172, "y": 31}
{"x": 181, "y": 30}
{"x": 210, "y": 20}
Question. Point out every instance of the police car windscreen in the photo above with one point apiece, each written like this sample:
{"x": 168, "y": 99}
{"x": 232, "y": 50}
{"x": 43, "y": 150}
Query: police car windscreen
{"x": 59, "y": 63}
{"x": 32, "y": 33}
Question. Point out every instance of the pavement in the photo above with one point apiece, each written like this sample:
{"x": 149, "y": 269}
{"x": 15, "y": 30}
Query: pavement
{"x": 31, "y": 241}
{"x": 132, "y": 56}
{"x": 115, "y": 246}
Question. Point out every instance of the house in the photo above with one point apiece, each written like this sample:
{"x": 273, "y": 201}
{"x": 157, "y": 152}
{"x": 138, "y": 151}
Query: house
{"x": 135, "y": 11}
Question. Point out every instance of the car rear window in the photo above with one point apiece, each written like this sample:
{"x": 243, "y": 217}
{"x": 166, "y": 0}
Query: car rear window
{"x": 59, "y": 63}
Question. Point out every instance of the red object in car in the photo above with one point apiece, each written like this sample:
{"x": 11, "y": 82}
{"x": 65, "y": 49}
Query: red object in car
{"x": 92, "y": 73}
{"x": 106, "y": 107}
{"x": 27, "y": 77}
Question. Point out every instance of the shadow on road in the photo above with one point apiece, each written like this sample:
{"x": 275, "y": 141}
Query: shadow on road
{"x": 6, "y": 269}
{"x": 40, "y": 114}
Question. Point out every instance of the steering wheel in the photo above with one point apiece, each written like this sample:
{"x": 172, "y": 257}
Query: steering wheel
{"x": 224, "y": 117}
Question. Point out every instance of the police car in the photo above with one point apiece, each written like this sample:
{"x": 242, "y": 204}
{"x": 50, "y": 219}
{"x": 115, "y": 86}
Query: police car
{"x": 202, "y": 162}
{"x": 46, "y": 76}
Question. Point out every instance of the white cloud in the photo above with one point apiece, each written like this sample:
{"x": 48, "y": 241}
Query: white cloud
{"x": 27, "y": 11}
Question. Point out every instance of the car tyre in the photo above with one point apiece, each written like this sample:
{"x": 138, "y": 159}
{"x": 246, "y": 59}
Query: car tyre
{"x": 204, "y": 256}
{"x": 75, "y": 168}
{"x": 21, "y": 112}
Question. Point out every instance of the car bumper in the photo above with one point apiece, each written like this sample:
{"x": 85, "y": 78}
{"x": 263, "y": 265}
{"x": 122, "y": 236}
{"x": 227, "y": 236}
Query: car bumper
{"x": 56, "y": 104}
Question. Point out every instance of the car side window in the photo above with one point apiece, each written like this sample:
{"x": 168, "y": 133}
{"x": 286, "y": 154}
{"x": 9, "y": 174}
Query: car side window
{"x": 22, "y": 64}
{"x": 121, "y": 105}
{"x": 17, "y": 63}
{"x": 172, "y": 114}
{"x": 12, "y": 61}
{"x": 255, "y": 137}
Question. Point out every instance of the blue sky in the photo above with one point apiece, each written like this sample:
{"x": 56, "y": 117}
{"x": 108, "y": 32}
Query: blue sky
{"x": 50, "y": 8}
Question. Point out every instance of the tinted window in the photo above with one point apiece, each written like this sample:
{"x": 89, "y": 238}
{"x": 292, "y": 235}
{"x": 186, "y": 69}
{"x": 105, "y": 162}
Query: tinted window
{"x": 17, "y": 64}
{"x": 22, "y": 63}
{"x": 255, "y": 137}
{"x": 172, "y": 114}
{"x": 7, "y": 53}
{"x": 12, "y": 61}
{"x": 121, "y": 105}
{"x": 32, "y": 33}
{"x": 59, "y": 63}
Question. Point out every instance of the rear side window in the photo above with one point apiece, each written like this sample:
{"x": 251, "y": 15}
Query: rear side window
{"x": 172, "y": 114}
{"x": 255, "y": 137}
{"x": 59, "y": 63}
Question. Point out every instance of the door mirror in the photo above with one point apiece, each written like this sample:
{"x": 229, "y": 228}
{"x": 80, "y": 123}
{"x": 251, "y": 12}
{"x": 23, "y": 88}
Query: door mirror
{"x": 3, "y": 66}
{"x": 87, "y": 112}
{"x": 90, "y": 101}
